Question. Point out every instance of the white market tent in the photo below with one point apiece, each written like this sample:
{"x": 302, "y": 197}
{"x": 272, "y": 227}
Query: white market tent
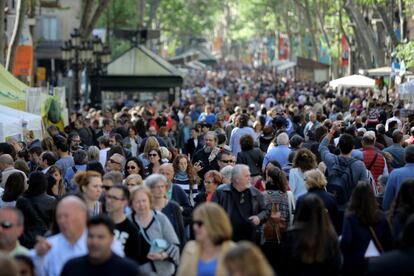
{"x": 12, "y": 120}
{"x": 9, "y": 127}
{"x": 406, "y": 91}
{"x": 353, "y": 81}
{"x": 383, "y": 72}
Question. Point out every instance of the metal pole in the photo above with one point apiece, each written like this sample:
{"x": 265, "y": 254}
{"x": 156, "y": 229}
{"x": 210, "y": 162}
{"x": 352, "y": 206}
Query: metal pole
{"x": 76, "y": 72}
{"x": 400, "y": 11}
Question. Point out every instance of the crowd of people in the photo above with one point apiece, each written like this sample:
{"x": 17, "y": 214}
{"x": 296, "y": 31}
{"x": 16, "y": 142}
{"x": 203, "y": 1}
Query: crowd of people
{"x": 244, "y": 174}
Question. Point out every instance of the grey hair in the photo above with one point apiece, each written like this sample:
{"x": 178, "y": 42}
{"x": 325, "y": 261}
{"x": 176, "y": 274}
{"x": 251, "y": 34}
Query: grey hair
{"x": 123, "y": 160}
{"x": 153, "y": 180}
{"x": 282, "y": 139}
{"x": 19, "y": 214}
{"x": 115, "y": 177}
{"x": 212, "y": 133}
{"x": 227, "y": 171}
{"x": 237, "y": 171}
{"x": 93, "y": 153}
{"x": 6, "y": 159}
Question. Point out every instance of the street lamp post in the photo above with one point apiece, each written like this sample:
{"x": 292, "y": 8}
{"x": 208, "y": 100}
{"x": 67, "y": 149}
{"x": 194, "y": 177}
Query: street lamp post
{"x": 89, "y": 55}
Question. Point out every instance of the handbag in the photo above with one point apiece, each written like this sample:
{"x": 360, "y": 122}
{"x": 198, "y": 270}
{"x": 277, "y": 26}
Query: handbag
{"x": 156, "y": 245}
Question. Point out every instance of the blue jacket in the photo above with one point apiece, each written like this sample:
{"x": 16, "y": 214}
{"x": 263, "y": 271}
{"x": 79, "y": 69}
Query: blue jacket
{"x": 394, "y": 183}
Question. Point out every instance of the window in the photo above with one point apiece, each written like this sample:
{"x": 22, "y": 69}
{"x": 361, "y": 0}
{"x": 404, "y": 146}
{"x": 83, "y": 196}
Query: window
{"x": 50, "y": 28}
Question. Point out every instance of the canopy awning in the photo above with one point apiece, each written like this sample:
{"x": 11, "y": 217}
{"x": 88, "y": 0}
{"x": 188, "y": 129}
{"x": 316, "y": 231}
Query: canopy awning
{"x": 353, "y": 81}
{"x": 383, "y": 71}
{"x": 12, "y": 91}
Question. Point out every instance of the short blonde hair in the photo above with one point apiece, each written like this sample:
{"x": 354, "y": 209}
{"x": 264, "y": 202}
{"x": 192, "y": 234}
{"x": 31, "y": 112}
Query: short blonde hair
{"x": 136, "y": 177}
{"x": 138, "y": 189}
{"x": 216, "y": 222}
{"x": 315, "y": 179}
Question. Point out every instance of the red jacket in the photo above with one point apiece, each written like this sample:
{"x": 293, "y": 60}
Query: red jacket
{"x": 377, "y": 168}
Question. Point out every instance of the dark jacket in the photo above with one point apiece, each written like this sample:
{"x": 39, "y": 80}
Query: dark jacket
{"x": 396, "y": 262}
{"x": 330, "y": 204}
{"x": 39, "y": 214}
{"x": 291, "y": 265}
{"x": 87, "y": 136}
{"x": 260, "y": 207}
{"x": 202, "y": 156}
{"x": 355, "y": 240}
{"x": 252, "y": 158}
{"x": 180, "y": 197}
{"x": 190, "y": 148}
{"x": 173, "y": 211}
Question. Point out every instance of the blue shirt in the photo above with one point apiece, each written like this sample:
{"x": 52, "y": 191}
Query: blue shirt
{"x": 279, "y": 153}
{"x": 70, "y": 173}
{"x": 398, "y": 155}
{"x": 235, "y": 136}
{"x": 395, "y": 180}
{"x": 207, "y": 268}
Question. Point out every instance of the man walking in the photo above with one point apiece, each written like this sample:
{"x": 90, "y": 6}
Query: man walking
{"x": 245, "y": 205}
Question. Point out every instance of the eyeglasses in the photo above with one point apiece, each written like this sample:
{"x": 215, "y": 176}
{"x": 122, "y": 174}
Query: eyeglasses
{"x": 228, "y": 161}
{"x": 131, "y": 168}
{"x": 113, "y": 197}
{"x": 152, "y": 154}
{"x": 6, "y": 224}
{"x": 106, "y": 187}
{"x": 242, "y": 198}
{"x": 113, "y": 161}
{"x": 199, "y": 223}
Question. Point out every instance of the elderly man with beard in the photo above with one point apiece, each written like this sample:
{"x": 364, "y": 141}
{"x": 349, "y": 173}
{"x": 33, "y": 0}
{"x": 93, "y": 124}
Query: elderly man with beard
{"x": 205, "y": 159}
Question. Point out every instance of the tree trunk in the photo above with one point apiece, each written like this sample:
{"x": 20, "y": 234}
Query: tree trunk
{"x": 306, "y": 11}
{"x": 141, "y": 13}
{"x": 87, "y": 9}
{"x": 387, "y": 23}
{"x": 96, "y": 15}
{"x": 364, "y": 55}
{"x": 366, "y": 32}
{"x": 321, "y": 23}
{"x": 153, "y": 12}
{"x": 17, "y": 31}
{"x": 2, "y": 35}
{"x": 287, "y": 26}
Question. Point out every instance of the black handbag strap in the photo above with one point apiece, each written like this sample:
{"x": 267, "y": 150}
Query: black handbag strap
{"x": 373, "y": 161}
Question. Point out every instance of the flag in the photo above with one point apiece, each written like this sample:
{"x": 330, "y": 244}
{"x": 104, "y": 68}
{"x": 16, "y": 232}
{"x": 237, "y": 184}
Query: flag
{"x": 324, "y": 56}
{"x": 345, "y": 52}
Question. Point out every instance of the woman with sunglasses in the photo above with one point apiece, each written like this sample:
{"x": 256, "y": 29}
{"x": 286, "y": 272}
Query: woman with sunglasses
{"x": 90, "y": 187}
{"x": 213, "y": 233}
{"x": 155, "y": 162}
{"x": 134, "y": 166}
{"x": 159, "y": 252}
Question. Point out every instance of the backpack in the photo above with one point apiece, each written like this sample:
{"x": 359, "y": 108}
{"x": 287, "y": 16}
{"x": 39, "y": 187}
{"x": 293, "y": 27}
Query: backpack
{"x": 340, "y": 180}
{"x": 276, "y": 225}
